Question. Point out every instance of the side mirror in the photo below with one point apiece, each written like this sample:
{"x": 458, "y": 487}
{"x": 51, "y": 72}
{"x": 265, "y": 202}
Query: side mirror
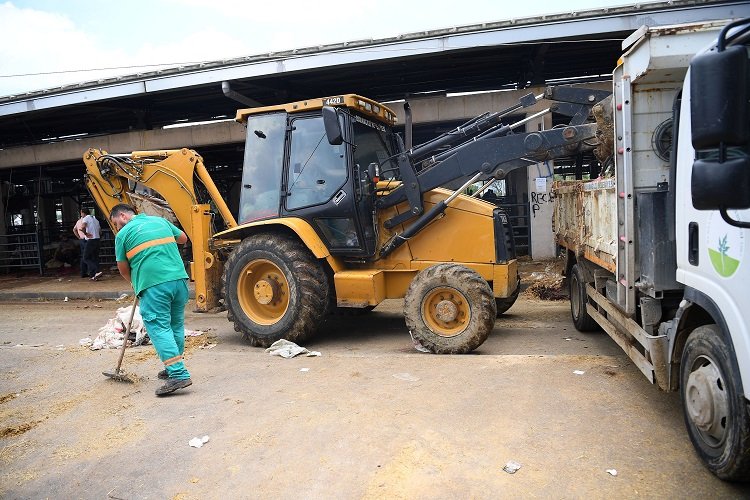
{"x": 332, "y": 125}
{"x": 719, "y": 98}
{"x": 716, "y": 185}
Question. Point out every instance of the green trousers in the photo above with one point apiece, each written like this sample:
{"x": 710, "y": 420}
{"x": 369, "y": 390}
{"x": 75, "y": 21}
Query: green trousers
{"x": 163, "y": 312}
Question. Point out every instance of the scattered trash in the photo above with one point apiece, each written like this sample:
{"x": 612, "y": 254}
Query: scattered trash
{"x": 65, "y": 299}
{"x": 304, "y": 369}
{"x": 512, "y": 467}
{"x": 417, "y": 344}
{"x": 568, "y": 338}
{"x": 408, "y": 377}
{"x": 122, "y": 297}
{"x": 193, "y": 333}
{"x": 111, "y": 335}
{"x": 288, "y": 349}
{"x": 197, "y": 442}
{"x": 208, "y": 346}
{"x": 579, "y": 372}
{"x": 612, "y": 472}
{"x": 59, "y": 279}
{"x": 85, "y": 342}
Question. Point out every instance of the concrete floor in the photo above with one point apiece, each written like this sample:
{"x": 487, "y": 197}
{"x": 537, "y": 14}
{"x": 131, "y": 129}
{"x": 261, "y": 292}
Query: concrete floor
{"x": 370, "y": 418}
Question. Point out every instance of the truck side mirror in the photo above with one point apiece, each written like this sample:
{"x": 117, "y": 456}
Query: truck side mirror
{"x": 332, "y": 126}
{"x": 720, "y": 129}
{"x": 716, "y": 185}
{"x": 719, "y": 98}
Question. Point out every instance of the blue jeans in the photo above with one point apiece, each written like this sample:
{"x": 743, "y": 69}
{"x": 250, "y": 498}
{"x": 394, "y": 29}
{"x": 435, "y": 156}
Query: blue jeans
{"x": 163, "y": 312}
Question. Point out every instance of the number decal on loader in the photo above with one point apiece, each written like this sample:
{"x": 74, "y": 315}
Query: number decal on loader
{"x": 333, "y": 101}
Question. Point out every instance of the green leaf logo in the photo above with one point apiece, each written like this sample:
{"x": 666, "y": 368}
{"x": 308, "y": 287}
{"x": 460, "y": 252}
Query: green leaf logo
{"x": 723, "y": 263}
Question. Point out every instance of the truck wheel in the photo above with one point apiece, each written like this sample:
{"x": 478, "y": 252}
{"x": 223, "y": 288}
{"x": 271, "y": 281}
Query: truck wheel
{"x": 449, "y": 309}
{"x": 578, "y": 300}
{"x": 272, "y": 290}
{"x": 505, "y": 303}
{"x": 716, "y": 413}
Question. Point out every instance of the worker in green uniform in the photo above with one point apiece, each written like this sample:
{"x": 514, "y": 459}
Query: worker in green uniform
{"x": 148, "y": 257}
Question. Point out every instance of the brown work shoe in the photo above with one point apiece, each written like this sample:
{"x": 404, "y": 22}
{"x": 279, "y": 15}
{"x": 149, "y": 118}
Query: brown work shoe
{"x": 172, "y": 385}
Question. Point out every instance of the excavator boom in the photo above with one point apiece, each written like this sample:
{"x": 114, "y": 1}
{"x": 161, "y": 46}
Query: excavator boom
{"x": 171, "y": 174}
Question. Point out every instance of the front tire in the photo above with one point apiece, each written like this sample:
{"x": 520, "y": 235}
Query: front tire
{"x": 273, "y": 289}
{"x": 578, "y": 300}
{"x": 714, "y": 406}
{"x": 449, "y": 309}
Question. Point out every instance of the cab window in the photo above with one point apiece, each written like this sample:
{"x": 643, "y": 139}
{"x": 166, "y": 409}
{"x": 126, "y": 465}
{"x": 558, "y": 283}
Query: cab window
{"x": 261, "y": 174}
{"x": 317, "y": 169}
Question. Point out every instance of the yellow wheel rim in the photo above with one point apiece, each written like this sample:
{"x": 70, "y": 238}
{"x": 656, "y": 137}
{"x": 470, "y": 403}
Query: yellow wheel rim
{"x": 446, "y": 311}
{"x": 263, "y": 292}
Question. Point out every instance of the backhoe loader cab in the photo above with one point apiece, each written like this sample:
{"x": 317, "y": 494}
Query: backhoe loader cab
{"x": 310, "y": 161}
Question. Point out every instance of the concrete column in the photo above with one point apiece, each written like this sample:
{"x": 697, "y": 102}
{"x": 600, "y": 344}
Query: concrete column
{"x": 46, "y": 211}
{"x": 70, "y": 209}
{"x": 539, "y": 180}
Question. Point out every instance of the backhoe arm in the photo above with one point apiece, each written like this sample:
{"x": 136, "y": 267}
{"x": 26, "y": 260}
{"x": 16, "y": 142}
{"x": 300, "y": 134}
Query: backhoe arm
{"x": 113, "y": 179}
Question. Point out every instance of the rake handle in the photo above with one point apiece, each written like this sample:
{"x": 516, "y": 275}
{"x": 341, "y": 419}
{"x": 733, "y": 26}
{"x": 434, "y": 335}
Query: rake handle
{"x": 125, "y": 336}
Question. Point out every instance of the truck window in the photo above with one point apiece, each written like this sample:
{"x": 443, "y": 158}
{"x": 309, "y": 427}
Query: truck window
{"x": 261, "y": 175}
{"x": 317, "y": 169}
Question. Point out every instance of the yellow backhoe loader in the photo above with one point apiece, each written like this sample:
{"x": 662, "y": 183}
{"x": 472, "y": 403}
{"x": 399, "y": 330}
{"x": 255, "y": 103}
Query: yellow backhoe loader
{"x": 337, "y": 212}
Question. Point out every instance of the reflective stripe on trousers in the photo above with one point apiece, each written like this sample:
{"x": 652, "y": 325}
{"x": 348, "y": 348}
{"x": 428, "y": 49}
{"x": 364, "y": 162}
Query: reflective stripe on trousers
{"x": 163, "y": 312}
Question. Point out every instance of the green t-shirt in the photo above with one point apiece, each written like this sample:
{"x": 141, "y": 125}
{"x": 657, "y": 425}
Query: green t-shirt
{"x": 153, "y": 257}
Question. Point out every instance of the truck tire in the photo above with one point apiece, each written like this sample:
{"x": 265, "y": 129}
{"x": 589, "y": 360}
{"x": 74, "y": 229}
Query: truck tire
{"x": 714, "y": 406}
{"x": 578, "y": 300}
{"x": 505, "y": 303}
{"x": 272, "y": 290}
{"x": 449, "y": 309}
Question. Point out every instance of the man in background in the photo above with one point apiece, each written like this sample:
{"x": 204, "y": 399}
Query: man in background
{"x": 78, "y": 232}
{"x": 92, "y": 233}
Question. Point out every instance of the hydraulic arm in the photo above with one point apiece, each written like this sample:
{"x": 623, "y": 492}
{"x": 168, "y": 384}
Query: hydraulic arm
{"x": 485, "y": 147}
{"x": 114, "y": 179}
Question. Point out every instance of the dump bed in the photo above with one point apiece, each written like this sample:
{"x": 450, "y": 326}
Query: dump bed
{"x": 584, "y": 219}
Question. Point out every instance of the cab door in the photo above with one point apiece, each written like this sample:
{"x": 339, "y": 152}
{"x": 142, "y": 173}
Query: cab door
{"x": 319, "y": 186}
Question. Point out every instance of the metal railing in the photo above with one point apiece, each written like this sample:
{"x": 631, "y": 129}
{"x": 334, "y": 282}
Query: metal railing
{"x": 21, "y": 251}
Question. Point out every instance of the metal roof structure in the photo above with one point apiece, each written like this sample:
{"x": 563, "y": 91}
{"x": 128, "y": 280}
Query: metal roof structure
{"x": 506, "y": 54}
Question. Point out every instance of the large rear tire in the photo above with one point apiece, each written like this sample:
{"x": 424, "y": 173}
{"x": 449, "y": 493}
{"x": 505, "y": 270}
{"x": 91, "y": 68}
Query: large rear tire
{"x": 578, "y": 300}
{"x": 714, "y": 406}
{"x": 274, "y": 288}
{"x": 449, "y": 309}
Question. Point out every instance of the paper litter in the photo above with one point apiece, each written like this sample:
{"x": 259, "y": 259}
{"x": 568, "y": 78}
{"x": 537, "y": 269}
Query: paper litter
{"x": 288, "y": 349}
{"x": 197, "y": 442}
{"x": 110, "y": 335}
{"x": 512, "y": 467}
{"x": 417, "y": 344}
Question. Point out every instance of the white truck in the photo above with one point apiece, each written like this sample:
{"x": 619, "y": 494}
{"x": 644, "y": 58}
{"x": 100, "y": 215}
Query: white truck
{"x": 657, "y": 247}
